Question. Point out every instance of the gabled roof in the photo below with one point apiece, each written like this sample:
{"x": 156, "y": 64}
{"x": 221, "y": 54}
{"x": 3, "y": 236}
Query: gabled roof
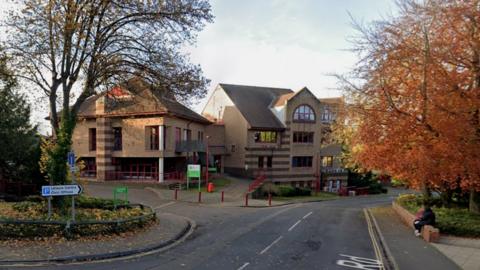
{"x": 135, "y": 98}
{"x": 254, "y": 103}
{"x": 282, "y": 100}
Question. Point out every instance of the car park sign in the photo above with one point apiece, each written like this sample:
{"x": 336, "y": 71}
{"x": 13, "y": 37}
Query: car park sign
{"x": 61, "y": 190}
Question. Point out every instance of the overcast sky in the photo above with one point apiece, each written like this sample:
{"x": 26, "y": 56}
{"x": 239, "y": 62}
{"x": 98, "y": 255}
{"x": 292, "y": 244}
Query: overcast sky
{"x": 278, "y": 43}
{"x": 282, "y": 43}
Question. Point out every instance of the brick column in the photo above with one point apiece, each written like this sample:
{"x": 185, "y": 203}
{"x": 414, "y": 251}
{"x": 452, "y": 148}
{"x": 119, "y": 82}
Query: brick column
{"x": 104, "y": 141}
{"x": 104, "y": 149}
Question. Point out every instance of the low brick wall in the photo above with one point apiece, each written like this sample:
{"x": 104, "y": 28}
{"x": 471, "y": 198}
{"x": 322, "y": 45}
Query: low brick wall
{"x": 429, "y": 233}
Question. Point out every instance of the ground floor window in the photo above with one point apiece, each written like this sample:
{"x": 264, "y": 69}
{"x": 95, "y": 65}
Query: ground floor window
{"x": 89, "y": 167}
{"x": 302, "y": 161}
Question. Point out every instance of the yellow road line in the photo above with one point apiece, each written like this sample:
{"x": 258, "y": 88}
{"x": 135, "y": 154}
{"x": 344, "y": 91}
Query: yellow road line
{"x": 376, "y": 249}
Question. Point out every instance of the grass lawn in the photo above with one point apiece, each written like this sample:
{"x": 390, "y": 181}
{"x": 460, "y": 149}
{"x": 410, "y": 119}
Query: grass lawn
{"x": 320, "y": 196}
{"x": 454, "y": 221}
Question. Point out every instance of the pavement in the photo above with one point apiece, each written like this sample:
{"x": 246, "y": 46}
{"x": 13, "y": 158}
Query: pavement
{"x": 465, "y": 252}
{"x": 164, "y": 232}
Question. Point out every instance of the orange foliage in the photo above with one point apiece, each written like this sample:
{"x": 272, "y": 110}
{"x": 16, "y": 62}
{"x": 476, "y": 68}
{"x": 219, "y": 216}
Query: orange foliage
{"x": 415, "y": 113}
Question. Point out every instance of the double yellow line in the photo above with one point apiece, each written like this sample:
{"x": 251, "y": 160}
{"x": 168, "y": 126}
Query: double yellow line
{"x": 376, "y": 248}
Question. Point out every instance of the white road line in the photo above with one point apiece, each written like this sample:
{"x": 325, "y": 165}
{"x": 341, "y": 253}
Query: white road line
{"x": 307, "y": 215}
{"x": 293, "y": 226}
{"x": 243, "y": 266}
{"x": 163, "y": 205}
{"x": 269, "y": 246}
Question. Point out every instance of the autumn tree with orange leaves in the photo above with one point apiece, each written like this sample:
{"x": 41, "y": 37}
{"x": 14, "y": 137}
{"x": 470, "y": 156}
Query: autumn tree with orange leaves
{"x": 414, "y": 97}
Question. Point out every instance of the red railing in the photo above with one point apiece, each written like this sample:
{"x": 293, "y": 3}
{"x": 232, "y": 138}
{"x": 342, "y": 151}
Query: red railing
{"x": 129, "y": 175}
{"x": 171, "y": 176}
{"x": 258, "y": 181}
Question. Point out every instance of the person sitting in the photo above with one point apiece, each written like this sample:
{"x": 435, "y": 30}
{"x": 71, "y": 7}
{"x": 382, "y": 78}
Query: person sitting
{"x": 426, "y": 218}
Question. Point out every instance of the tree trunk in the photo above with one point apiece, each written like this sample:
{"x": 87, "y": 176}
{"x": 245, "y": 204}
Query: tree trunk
{"x": 446, "y": 197}
{"x": 58, "y": 157}
{"x": 427, "y": 195}
{"x": 474, "y": 205}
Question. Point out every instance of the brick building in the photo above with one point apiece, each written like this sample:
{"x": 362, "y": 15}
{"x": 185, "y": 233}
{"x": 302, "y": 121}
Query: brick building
{"x": 282, "y": 134}
{"x": 133, "y": 133}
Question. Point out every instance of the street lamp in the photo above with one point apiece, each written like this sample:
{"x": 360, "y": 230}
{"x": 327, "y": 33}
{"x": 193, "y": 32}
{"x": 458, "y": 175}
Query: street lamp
{"x": 206, "y": 174}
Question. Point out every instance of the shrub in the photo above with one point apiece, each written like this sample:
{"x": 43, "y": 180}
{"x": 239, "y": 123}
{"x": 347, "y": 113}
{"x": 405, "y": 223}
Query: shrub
{"x": 454, "y": 221}
{"x": 289, "y": 191}
{"x": 90, "y": 202}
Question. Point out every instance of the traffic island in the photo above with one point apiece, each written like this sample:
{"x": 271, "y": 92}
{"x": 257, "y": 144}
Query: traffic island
{"x": 166, "y": 232}
{"x": 32, "y": 219}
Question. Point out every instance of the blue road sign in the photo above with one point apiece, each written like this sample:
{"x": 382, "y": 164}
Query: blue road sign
{"x": 61, "y": 190}
{"x": 71, "y": 159}
{"x": 46, "y": 190}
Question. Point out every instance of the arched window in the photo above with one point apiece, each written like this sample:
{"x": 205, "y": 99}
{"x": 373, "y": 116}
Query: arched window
{"x": 304, "y": 113}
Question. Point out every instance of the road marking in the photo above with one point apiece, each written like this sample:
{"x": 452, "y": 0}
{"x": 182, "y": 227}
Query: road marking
{"x": 269, "y": 246}
{"x": 163, "y": 205}
{"x": 243, "y": 266}
{"x": 360, "y": 263}
{"x": 378, "y": 253}
{"x": 307, "y": 215}
{"x": 293, "y": 226}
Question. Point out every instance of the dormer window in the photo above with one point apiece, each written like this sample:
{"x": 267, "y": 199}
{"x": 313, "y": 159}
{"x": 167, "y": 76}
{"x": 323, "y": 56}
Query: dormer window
{"x": 265, "y": 137}
{"x": 304, "y": 113}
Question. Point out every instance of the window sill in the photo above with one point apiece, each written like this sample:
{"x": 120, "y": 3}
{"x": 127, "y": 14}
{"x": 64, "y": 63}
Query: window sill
{"x": 304, "y": 121}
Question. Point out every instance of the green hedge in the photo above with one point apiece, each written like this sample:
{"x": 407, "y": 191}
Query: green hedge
{"x": 11, "y": 228}
{"x": 454, "y": 221}
{"x": 91, "y": 202}
{"x": 285, "y": 190}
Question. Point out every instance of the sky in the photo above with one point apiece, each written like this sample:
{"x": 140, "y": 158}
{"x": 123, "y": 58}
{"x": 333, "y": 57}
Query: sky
{"x": 282, "y": 43}
{"x": 276, "y": 43}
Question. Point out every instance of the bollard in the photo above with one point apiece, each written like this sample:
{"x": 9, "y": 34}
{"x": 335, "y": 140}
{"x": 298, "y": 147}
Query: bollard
{"x": 269, "y": 199}
{"x": 223, "y": 197}
{"x": 176, "y": 194}
{"x": 246, "y": 199}
{"x": 199, "y": 196}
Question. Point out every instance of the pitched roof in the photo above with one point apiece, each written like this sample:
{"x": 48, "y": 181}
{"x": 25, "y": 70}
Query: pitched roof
{"x": 282, "y": 100}
{"x": 136, "y": 98}
{"x": 176, "y": 108}
{"x": 333, "y": 100}
{"x": 254, "y": 103}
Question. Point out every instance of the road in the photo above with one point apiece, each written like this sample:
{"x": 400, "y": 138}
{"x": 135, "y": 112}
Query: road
{"x": 320, "y": 235}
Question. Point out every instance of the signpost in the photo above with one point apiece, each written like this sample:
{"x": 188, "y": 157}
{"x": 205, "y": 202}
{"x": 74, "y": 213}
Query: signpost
{"x": 193, "y": 171}
{"x": 119, "y": 190}
{"x": 71, "y": 160}
{"x": 63, "y": 190}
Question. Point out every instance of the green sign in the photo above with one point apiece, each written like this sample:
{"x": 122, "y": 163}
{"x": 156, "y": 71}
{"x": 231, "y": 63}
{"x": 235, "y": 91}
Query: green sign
{"x": 116, "y": 192}
{"x": 193, "y": 171}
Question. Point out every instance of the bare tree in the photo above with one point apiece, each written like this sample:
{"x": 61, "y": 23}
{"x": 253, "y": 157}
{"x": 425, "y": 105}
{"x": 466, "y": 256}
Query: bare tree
{"x": 61, "y": 45}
